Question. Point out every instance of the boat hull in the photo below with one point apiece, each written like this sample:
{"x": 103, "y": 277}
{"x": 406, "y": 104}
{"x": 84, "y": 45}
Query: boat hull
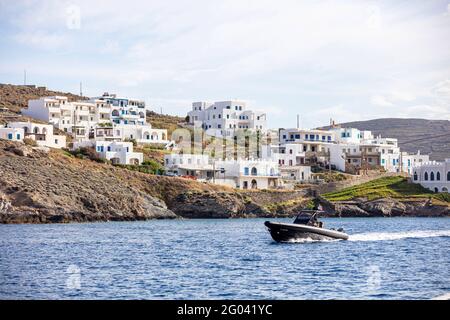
{"x": 286, "y": 232}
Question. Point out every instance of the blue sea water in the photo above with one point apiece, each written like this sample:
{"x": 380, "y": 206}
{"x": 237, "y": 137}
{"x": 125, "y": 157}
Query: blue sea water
{"x": 385, "y": 258}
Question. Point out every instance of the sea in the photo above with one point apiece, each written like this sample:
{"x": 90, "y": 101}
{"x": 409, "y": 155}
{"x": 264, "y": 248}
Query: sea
{"x": 384, "y": 258}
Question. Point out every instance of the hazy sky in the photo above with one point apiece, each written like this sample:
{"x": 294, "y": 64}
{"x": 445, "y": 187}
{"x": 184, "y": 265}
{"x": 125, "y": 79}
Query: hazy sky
{"x": 349, "y": 60}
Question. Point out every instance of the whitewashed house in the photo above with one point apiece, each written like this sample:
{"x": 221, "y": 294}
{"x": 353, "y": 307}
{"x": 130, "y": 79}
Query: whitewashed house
{"x": 194, "y": 165}
{"x": 118, "y": 152}
{"x": 241, "y": 174}
{"x": 226, "y": 118}
{"x": 291, "y": 161}
{"x": 412, "y": 160}
{"x": 124, "y": 110}
{"x": 113, "y": 118}
{"x": 11, "y": 134}
{"x": 41, "y": 133}
{"x": 433, "y": 175}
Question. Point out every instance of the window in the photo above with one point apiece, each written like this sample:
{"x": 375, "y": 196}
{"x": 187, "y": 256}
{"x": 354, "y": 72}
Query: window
{"x": 254, "y": 171}
{"x": 438, "y": 176}
{"x": 415, "y": 176}
{"x": 448, "y": 176}
{"x": 432, "y": 176}
{"x": 246, "y": 171}
{"x": 10, "y": 136}
{"x": 18, "y": 136}
{"x": 425, "y": 176}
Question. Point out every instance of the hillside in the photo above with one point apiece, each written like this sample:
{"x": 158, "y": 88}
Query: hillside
{"x": 15, "y": 97}
{"x": 393, "y": 187}
{"x": 429, "y": 136}
{"x": 386, "y": 197}
{"x": 164, "y": 121}
{"x": 48, "y": 186}
{"x": 38, "y": 186}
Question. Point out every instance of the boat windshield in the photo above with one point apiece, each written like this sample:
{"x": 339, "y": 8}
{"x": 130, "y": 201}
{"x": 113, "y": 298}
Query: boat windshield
{"x": 303, "y": 219}
{"x": 307, "y": 219}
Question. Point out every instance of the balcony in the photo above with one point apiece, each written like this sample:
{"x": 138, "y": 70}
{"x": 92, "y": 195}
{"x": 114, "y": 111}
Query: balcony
{"x": 104, "y": 110}
{"x": 54, "y": 110}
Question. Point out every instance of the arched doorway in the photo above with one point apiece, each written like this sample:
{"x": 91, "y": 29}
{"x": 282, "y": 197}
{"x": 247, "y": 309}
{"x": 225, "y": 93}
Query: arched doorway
{"x": 36, "y": 130}
{"x": 146, "y": 135}
{"x": 254, "y": 184}
{"x": 436, "y": 190}
{"x": 444, "y": 189}
{"x": 134, "y": 161}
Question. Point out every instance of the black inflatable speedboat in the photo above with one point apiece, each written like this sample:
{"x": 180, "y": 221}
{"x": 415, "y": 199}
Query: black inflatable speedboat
{"x": 305, "y": 226}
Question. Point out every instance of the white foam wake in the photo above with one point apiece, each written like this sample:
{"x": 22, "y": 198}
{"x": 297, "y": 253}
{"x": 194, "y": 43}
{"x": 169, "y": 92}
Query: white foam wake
{"x": 383, "y": 236}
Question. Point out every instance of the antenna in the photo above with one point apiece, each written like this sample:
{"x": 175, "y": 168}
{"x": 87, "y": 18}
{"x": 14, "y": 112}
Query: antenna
{"x": 81, "y": 89}
{"x": 298, "y": 121}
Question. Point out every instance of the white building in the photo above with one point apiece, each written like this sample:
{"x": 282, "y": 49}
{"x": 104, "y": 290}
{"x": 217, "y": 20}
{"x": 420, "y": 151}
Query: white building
{"x": 225, "y": 118}
{"x": 125, "y": 118}
{"x": 194, "y": 165}
{"x": 118, "y": 152}
{"x": 124, "y": 110}
{"x": 291, "y": 161}
{"x": 12, "y": 134}
{"x": 433, "y": 175}
{"x": 241, "y": 174}
{"x": 412, "y": 160}
{"x": 41, "y": 133}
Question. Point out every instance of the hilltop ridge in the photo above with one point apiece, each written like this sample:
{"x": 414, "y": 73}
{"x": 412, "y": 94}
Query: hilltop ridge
{"x": 429, "y": 136}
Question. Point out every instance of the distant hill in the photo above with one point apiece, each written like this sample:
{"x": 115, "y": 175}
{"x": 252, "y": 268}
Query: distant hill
{"x": 429, "y": 136}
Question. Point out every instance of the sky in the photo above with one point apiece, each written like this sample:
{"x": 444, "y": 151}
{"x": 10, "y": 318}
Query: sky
{"x": 346, "y": 60}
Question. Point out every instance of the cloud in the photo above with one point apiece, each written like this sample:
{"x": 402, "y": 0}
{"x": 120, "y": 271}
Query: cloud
{"x": 293, "y": 56}
{"x": 380, "y": 101}
{"x": 46, "y": 41}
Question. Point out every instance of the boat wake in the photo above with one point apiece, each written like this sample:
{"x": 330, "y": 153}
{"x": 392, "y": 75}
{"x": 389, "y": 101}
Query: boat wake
{"x": 309, "y": 240}
{"x": 387, "y": 236}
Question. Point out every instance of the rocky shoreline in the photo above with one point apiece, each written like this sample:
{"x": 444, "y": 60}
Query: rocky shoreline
{"x": 47, "y": 186}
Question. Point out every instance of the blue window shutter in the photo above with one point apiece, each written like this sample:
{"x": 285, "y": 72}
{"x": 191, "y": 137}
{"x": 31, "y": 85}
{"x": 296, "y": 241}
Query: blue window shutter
{"x": 10, "y": 136}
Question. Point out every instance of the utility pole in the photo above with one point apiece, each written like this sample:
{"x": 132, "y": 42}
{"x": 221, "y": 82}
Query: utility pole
{"x": 81, "y": 89}
{"x": 25, "y": 77}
